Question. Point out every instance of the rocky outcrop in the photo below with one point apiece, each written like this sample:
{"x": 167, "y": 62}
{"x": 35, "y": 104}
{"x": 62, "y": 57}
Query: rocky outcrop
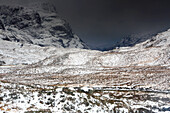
{"x": 39, "y": 26}
{"x": 2, "y": 63}
{"x": 2, "y": 25}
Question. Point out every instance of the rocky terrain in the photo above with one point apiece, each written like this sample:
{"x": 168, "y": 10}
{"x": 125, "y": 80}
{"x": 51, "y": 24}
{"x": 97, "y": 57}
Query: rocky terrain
{"x": 42, "y": 74}
{"x": 38, "y": 25}
{"x": 54, "y": 99}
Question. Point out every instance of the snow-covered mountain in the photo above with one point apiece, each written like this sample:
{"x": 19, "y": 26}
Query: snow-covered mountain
{"x": 50, "y": 79}
{"x": 34, "y": 73}
{"x": 152, "y": 52}
{"x": 134, "y": 39}
{"x": 37, "y": 24}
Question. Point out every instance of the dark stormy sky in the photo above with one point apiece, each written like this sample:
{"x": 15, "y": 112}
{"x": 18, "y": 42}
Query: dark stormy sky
{"x": 104, "y": 22}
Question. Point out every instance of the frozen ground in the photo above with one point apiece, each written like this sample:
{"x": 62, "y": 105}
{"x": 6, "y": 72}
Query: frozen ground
{"x": 81, "y": 99}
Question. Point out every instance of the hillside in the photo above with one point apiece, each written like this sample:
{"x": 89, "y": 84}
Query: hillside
{"x": 46, "y": 68}
{"x": 39, "y": 25}
{"x": 50, "y": 79}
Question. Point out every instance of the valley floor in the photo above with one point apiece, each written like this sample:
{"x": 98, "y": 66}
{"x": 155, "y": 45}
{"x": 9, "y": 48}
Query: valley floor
{"x": 131, "y": 89}
{"x": 155, "y": 77}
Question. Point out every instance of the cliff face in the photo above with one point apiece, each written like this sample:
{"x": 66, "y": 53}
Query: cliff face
{"x": 39, "y": 26}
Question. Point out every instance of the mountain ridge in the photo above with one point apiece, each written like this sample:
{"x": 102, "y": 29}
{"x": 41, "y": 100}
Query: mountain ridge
{"x": 26, "y": 25}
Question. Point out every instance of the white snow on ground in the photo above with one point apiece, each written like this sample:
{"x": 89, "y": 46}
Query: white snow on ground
{"x": 152, "y": 52}
{"x": 129, "y": 69}
{"x": 57, "y": 100}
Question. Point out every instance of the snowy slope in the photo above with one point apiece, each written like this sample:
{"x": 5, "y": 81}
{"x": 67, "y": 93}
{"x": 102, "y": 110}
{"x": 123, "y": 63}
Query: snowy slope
{"x": 13, "y": 53}
{"x": 154, "y": 51}
{"x": 38, "y": 25}
{"x": 134, "y": 39}
{"x": 50, "y": 79}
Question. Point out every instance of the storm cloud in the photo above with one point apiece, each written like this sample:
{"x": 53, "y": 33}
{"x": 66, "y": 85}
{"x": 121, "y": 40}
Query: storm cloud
{"x": 104, "y": 22}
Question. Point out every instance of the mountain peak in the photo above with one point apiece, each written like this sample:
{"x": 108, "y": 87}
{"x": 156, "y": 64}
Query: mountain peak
{"x": 133, "y": 39}
{"x": 39, "y": 25}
